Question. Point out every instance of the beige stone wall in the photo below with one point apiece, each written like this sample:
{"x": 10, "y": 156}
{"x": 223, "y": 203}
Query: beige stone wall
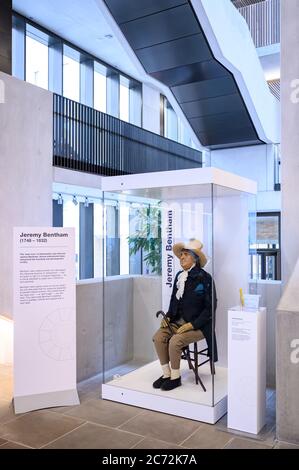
{"x": 26, "y": 117}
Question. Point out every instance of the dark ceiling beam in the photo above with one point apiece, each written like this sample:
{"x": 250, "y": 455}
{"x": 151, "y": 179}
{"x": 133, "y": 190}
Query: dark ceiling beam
{"x": 6, "y": 36}
{"x": 170, "y": 43}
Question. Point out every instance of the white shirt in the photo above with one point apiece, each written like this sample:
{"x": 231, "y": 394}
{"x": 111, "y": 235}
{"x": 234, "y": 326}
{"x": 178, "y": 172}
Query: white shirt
{"x": 182, "y": 278}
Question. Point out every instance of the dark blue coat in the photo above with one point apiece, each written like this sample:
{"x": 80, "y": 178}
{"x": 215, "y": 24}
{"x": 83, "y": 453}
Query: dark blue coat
{"x": 197, "y": 305}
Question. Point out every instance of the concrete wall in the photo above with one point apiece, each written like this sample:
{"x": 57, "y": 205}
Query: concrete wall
{"x": 25, "y": 169}
{"x": 287, "y": 370}
{"x": 118, "y": 324}
{"x": 118, "y": 320}
{"x": 270, "y": 292}
{"x": 288, "y": 310}
{"x": 257, "y": 163}
{"x": 89, "y": 294}
{"x": 290, "y": 135}
{"x": 130, "y": 322}
{"x": 147, "y": 301}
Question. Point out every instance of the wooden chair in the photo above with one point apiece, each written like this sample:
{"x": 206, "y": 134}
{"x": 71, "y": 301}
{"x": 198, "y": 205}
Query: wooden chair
{"x": 194, "y": 356}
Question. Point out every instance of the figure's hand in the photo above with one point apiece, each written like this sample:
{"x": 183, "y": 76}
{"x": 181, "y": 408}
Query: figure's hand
{"x": 164, "y": 323}
{"x": 185, "y": 327}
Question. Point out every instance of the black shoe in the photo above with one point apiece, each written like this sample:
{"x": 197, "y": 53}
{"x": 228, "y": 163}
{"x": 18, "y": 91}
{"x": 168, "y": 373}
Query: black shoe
{"x": 171, "y": 384}
{"x": 160, "y": 381}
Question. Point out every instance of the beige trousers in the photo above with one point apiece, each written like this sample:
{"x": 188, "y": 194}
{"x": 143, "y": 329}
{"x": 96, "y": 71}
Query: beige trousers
{"x": 169, "y": 348}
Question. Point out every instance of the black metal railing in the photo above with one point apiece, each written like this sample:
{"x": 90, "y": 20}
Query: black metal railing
{"x": 94, "y": 142}
{"x": 263, "y": 19}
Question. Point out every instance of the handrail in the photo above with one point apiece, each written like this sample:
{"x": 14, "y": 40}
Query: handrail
{"x": 91, "y": 141}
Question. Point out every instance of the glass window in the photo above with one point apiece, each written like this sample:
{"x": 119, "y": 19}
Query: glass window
{"x": 170, "y": 122}
{"x": 37, "y": 58}
{"x": 267, "y": 231}
{"x": 126, "y": 235}
{"x": 265, "y": 249}
{"x": 184, "y": 136}
{"x": 135, "y": 104}
{"x": 136, "y": 257}
{"x": 68, "y": 211}
{"x": 124, "y": 213}
{"x": 37, "y": 62}
{"x": 71, "y": 216}
{"x": 100, "y": 90}
{"x": 98, "y": 239}
{"x": 277, "y": 172}
{"x": 181, "y": 131}
{"x": 18, "y": 47}
{"x": 112, "y": 239}
{"x": 134, "y": 231}
{"x": 124, "y": 99}
{"x": 71, "y": 74}
{"x": 145, "y": 238}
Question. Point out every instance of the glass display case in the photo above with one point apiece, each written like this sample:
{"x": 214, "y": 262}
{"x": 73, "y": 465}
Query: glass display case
{"x": 158, "y": 214}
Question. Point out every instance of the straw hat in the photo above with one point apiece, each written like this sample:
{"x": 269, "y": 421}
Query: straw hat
{"x": 193, "y": 245}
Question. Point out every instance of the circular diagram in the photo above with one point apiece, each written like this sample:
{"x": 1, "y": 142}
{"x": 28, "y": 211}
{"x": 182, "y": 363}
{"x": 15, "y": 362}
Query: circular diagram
{"x": 56, "y": 335}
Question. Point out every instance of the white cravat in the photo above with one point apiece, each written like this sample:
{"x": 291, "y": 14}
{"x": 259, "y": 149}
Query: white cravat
{"x": 182, "y": 278}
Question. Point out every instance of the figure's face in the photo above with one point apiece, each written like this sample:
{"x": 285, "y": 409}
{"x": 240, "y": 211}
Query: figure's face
{"x": 186, "y": 260}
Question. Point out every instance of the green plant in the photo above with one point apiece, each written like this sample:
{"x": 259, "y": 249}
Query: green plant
{"x": 148, "y": 237}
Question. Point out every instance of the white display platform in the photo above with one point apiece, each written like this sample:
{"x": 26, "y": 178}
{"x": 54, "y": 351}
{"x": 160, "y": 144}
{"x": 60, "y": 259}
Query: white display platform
{"x": 246, "y": 369}
{"x": 187, "y": 401}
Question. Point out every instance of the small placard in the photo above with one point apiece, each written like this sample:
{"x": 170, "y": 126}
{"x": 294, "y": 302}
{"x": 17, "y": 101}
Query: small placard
{"x": 251, "y": 301}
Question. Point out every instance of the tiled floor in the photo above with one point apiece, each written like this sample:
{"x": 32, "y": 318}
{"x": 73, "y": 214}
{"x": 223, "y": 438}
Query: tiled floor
{"x": 101, "y": 424}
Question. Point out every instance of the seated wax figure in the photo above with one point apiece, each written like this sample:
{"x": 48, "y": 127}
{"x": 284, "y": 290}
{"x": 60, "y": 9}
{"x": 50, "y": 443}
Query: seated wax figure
{"x": 190, "y": 313}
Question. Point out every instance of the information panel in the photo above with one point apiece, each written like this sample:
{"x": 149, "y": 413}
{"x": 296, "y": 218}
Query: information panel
{"x": 44, "y": 318}
{"x": 246, "y": 369}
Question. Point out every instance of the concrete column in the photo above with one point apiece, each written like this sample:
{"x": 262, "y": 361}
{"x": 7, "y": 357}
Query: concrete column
{"x": 287, "y": 365}
{"x": 56, "y": 66}
{"x": 6, "y": 36}
{"x": 26, "y": 152}
{"x": 151, "y": 108}
{"x": 86, "y": 82}
{"x": 19, "y": 47}
{"x": 136, "y": 104}
{"x": 287, "y": 369}
{"x": 290, "y": 135}
{"x": 113, "y": 94}
{"x": 86, "y": 241}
